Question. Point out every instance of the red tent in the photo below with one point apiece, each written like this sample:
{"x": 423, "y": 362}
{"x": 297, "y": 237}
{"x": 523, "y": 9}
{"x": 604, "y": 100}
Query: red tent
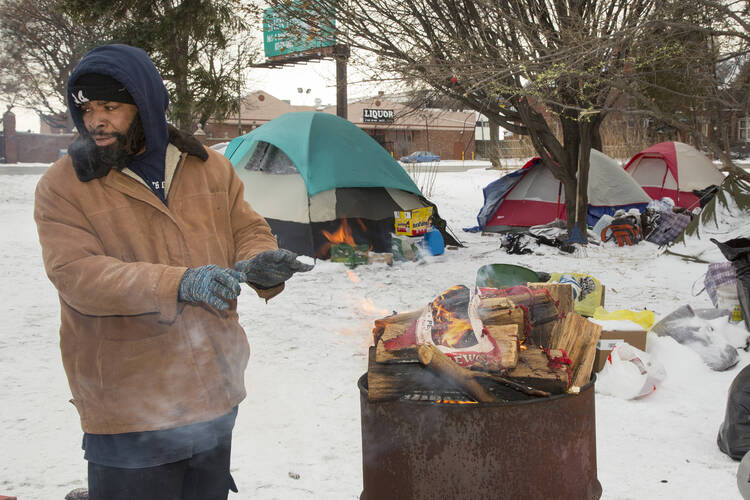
{"x": 673, "y": 169}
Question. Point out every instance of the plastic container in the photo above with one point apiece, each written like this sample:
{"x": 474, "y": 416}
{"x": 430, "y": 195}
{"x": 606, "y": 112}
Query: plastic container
{"x": 726, "y": 298}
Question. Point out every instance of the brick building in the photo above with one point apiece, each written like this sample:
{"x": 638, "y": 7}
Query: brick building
{"x": 397, "y": 128}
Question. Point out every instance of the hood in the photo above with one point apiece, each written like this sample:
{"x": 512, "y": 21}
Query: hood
{"x": 133, "y": 68}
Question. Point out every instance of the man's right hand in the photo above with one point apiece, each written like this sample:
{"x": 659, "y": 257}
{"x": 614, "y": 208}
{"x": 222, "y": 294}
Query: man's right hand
{"x": 212, "y": 285}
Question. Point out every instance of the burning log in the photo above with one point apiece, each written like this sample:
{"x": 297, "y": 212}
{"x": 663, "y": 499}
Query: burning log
{"x": 513, "y": 385}
{"x": 433, "y": 358}
{"x": 394, "y": 380}
{"x": 578, "y": 337}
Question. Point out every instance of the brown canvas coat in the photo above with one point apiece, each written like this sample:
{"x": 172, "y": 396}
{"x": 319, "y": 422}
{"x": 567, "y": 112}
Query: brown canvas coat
{"x": 137, "y": 359}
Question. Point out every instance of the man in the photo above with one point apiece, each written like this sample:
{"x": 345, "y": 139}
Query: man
{"x": 146, "y": 236}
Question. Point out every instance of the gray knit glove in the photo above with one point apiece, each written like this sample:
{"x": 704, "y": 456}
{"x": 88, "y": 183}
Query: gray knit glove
{"x": 272, "y": 267}
{"x": 212, "y": 285}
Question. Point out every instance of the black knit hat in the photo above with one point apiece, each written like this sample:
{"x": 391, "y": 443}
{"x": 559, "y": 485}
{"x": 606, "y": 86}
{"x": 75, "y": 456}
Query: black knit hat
{"x": 98, "y": 87}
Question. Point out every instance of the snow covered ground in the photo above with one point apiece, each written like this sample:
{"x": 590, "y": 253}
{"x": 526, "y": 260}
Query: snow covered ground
{"x": 298, "y": 432}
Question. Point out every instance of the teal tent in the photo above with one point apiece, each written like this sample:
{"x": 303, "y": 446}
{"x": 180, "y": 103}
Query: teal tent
{"x": 309, "y": 172}
{"x": 329, "y": 152}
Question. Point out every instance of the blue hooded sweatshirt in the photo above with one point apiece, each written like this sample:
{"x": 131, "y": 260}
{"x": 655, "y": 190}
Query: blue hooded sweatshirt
{"x": 133, "y": 68}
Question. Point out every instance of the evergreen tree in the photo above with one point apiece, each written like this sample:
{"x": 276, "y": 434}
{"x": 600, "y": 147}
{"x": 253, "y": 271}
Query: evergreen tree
{"x": 198, "y": 46}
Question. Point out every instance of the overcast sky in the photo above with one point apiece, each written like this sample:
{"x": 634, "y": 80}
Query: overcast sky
{"x": 319, "y": 77}
{"x": 283, "y": 83}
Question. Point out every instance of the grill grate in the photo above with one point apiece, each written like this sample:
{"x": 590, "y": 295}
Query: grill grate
{"x": 448, "y": 397}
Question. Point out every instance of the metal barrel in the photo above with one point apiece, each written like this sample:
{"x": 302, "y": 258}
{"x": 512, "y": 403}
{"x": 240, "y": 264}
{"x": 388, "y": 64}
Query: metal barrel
{"x": 538, "y": 449}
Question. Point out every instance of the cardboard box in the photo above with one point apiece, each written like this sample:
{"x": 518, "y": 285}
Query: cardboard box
{"x": 351, "y": 255}
{"x": 413, "y": 222}
{"x": 406, "y": 248}
{"x": 614, "y": 332}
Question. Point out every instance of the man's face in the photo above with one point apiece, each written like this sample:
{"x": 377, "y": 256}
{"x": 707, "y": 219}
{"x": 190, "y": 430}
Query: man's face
{"x": 107, "y": 120}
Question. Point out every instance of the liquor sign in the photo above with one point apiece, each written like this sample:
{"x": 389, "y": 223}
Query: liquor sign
{"x": 285, "y": 36}
{"x": 377, "y": 115}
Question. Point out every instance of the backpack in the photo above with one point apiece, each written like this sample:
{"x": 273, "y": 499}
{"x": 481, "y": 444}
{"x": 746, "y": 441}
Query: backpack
{"x": 625, "y": 230}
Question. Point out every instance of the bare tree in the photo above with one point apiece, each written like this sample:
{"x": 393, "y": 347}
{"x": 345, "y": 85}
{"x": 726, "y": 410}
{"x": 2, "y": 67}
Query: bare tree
{"x": 40, "y": 47}
{"x": 511, "y": 61}
{"x": 692, "y": 75}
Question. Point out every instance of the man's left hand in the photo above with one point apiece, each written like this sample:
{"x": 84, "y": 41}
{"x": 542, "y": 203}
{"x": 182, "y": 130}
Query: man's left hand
{"x": 272, "y": 267}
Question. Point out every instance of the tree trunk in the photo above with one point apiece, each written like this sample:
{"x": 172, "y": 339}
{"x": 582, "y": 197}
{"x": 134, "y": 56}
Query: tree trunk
{"x": 494, "y": 149}
{"x": 582, "y": 198}
{"x": 181, "y": 109}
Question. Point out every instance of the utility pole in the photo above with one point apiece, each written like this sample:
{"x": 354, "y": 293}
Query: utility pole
{"x": 239, "y": 94}
{"x": 341, "y": 55}
{"x": 427, "y": 132}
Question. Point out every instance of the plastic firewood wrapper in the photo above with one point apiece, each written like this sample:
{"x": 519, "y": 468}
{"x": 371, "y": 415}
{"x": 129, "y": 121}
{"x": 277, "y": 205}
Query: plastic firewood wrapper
{"x": 451, "y": 322}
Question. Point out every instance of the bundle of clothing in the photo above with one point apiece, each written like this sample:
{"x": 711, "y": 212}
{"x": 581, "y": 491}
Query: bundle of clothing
{"x": 553, "y": 234}
{"x": 663, "y": 222}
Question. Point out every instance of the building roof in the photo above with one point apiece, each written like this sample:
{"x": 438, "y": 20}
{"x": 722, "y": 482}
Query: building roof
{"x": 260, "y": 107}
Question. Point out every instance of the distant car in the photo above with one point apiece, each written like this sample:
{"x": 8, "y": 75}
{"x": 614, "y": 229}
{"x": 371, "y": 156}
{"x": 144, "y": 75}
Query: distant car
{"x": 420, "y": 157}
{"x": 739, "y": 152}
{"x": 738, "y": 155}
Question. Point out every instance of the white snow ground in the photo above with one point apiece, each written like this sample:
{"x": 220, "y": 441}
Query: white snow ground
{"x": 309, "y": 346}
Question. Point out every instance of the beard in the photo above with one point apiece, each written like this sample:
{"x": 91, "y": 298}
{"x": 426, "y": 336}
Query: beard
{"x": 92, "y": 162}
{"x": 127, "y": 146}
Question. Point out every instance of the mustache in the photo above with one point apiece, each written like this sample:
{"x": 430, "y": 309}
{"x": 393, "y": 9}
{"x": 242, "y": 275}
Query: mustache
{"x": 102, "y": 134}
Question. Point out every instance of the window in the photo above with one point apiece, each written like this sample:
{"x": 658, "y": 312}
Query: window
{"x": 743, "y": 129}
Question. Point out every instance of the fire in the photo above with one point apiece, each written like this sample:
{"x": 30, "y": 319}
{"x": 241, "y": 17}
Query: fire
{"x": 353, "y": 277}
{"x": 372, "y": 309}
{"x": 449, "y": 327}
{"x": 342, "y": 235}
{"x": 454, "y": 330}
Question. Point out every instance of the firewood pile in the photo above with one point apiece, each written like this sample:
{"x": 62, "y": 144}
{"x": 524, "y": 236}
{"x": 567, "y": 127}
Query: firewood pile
{"x": 513, "y": 344}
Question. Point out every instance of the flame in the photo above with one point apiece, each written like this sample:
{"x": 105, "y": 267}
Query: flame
{"x": 448, "y": 328}
{"x": 453, "y": 331}
{"x": 456, "y": 402}
{"x": 371, "y": 308}
{"x": 342, "y": 235}
{"x": 353, "y": 277}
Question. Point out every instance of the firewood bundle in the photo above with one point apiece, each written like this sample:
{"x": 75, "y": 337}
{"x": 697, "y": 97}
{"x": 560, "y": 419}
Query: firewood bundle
{"x": 542, "y": 349}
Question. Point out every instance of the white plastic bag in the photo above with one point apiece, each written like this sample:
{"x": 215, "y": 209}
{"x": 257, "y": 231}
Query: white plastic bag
{"x": 629, "y": 373}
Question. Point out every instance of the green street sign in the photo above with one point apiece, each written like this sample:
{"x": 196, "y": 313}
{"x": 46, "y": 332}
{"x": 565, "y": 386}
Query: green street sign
{"x": 284, "y": 35}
